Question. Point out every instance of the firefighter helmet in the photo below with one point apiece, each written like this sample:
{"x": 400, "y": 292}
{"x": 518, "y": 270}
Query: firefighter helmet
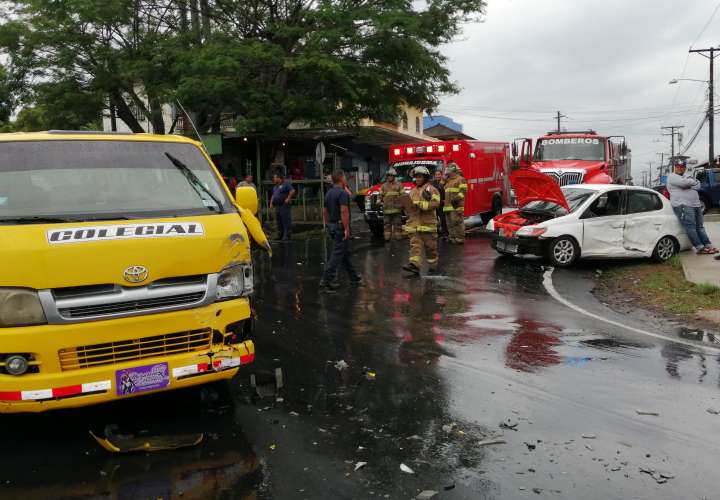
{"x": 421, "y": 171}
{"x": 391, "y": 171}
{"x": 452, "y": 167}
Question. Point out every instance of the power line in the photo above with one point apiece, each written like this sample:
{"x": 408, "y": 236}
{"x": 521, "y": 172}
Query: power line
{"x": 707, "y": 25}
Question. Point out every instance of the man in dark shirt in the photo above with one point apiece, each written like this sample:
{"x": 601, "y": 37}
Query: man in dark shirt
{"x": 282, "y": 193}
{"x": 336, "y": 214}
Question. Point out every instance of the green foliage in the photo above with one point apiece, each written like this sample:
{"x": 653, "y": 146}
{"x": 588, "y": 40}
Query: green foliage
{"x": 270, "y": 62}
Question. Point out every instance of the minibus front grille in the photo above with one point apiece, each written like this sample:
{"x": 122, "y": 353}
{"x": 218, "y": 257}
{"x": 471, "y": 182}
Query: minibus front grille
{"x": 109, "y": 353}
{"x": 130, "y": 306}
{"x": 108, "y": 301}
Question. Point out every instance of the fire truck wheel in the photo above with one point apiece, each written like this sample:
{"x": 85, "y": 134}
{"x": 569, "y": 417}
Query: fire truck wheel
{"x": 563, "y": 251}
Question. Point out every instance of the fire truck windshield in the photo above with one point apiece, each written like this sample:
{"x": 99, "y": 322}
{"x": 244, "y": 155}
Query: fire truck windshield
{"x": 570, "y": 148}
{"x": 404, "y": 168}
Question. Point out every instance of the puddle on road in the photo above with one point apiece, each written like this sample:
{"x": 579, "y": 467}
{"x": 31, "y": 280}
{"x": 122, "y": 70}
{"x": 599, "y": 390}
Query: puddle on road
{"x": 70, "y": 464}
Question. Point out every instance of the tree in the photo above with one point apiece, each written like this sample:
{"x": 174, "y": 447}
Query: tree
{"x": 324, "y": 62}
{"x": 270, "y": 62}
{"x": 6, "y": 102}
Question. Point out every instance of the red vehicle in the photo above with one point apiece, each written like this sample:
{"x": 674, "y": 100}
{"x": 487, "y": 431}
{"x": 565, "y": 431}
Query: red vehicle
{"x": 577, "y": 157}
{"x": 485, "y": 165}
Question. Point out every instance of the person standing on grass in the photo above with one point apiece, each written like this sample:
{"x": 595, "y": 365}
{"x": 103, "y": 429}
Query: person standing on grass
{"x": 685, "y": 201}
{"x": 336, "y": 214}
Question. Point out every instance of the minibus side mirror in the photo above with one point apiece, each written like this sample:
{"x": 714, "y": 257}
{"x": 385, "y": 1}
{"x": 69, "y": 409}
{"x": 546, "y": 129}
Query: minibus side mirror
{"x": 246, "y": 198}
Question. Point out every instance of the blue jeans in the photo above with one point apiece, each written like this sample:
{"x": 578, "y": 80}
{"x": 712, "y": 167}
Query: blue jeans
{"x": 692, "y": 220}
{"x": 340, "y": 255}
{"x": 283, "y": 213}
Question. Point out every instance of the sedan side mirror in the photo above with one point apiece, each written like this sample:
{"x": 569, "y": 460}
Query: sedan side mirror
{"x": 246, "y": 198}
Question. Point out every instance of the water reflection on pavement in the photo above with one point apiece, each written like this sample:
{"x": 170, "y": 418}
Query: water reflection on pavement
{"x": 414, "y": 371}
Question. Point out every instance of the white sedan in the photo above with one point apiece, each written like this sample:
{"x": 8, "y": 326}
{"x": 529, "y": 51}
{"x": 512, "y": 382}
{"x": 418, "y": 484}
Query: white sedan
{"x": 586, "y": 221}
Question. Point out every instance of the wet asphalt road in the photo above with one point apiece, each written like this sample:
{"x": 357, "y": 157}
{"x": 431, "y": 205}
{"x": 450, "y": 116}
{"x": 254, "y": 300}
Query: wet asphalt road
{"x": 433, "y": 367}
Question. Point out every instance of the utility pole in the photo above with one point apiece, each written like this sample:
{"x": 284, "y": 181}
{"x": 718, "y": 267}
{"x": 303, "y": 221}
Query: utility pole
{"x": 660, "y": 167}
{"x": 673, "y": 132}
{"x": 711, "y": 111}
{"x": 557, "y": 117}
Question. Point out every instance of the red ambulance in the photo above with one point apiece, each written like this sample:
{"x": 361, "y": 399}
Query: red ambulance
{"x": 485, "y": 166}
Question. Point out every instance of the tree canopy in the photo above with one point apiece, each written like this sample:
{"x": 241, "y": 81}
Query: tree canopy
{"x": 268, "y": 62}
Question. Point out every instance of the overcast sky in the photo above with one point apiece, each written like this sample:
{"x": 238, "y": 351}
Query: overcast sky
{"x": 606, "y": 65}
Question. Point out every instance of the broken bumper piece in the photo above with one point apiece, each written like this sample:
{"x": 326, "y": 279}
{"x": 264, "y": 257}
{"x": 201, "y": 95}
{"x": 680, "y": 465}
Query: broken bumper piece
{"x": 518, "y": 245}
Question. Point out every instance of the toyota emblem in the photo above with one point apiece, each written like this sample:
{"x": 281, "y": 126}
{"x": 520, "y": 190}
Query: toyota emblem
{"x": 135, "y": 274}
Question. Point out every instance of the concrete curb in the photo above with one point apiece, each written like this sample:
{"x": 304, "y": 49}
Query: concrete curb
{"x": 701, "y": 269}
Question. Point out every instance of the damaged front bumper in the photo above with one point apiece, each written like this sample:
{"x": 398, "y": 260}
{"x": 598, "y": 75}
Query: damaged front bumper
{"x": 518, "y": 245}
{"x": 102, "y": 361}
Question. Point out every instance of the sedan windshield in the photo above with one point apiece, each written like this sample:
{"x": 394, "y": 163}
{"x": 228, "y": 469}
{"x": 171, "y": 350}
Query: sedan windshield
{"x": 45, "y": 181}
{"x": 575, "y": 198}
{"x": 572, "y": 148}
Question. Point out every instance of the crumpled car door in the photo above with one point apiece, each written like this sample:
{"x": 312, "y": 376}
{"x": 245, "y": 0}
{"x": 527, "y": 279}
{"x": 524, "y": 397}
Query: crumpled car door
{"x": 644, "y": 222}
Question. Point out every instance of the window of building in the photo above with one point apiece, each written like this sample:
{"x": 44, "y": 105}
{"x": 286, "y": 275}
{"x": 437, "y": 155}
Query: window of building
{"x": 404, "y": 121}
{"x": 417, "y": 124}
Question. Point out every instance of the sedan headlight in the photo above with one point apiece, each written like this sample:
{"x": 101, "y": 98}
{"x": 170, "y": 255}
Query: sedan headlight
{"x": 235, "y": 281}
{"x": 368, "y": 202}
{"x": 531, "y": 231}
{"x": 491, "y": 225}
{"x": 20, "y": 307}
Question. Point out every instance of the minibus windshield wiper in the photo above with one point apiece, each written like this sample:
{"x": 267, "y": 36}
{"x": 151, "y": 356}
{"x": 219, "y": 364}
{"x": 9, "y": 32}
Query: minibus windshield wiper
{"x": 35, "y": 219}
{"x": 196, "y": 183}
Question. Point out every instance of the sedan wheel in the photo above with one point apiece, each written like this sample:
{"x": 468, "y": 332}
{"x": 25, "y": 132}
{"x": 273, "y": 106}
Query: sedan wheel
{"x": 665, "y": 249}
{"x": 563, "y": 251}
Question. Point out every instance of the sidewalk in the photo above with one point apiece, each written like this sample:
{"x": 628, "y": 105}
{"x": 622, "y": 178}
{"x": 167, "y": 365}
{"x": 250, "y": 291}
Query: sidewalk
{"x": 704, "y": 268}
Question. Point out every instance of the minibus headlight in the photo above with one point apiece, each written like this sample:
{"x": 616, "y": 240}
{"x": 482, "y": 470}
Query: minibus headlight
{"x": 20, "y": 307}
{"x": 235, "y": 281}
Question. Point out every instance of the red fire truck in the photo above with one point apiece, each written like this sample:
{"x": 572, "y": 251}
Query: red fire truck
{"x": 485, "y": 165}
{"x": 576, "y": 157}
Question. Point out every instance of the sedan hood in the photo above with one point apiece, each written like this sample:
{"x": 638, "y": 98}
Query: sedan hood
{"x": 535, "y": 186}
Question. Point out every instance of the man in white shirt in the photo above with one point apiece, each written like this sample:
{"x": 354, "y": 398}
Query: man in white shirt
{"x": 686, "y": 203}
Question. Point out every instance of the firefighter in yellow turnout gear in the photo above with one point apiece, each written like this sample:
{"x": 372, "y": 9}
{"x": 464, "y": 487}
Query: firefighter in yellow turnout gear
{"x": 422, "y": 222}
{"x": 391, "y": 194}
{"x": 455, "y": 190}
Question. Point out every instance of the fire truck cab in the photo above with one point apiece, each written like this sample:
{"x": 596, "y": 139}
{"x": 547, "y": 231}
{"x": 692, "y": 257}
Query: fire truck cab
{"x": 576, "y": 157}
{"x": 485, "y": 166}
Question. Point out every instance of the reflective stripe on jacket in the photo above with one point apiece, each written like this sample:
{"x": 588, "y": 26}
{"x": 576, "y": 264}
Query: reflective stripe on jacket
{"x": 390, "y": 196}
{"x": 455, "y": 190}
{"x": 422, "y": 216}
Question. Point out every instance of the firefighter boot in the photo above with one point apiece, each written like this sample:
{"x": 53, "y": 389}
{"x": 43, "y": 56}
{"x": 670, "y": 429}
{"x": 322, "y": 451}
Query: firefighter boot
{"x": 411, "y": 268}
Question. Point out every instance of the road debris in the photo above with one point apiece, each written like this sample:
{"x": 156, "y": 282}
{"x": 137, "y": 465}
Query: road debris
{"x": 406, "y": 469}
{"x": 648, "y": 412}
{"x": 426, "y": 495}
{"x": 530, "y": 446}
{"x": 713, "y": 411}
{"x": 660, "y": 477}
{"x": 589, "y": 436}
{"x": 360, "y": 465}
{"x": 128, "y": 443}
{"x": 341, "y": 365}
{"x": 489, "y": 442}
{"x": 509, "y": 424}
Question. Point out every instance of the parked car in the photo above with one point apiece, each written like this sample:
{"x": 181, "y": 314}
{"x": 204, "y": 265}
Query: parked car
{"x": 709, "y": 187}
{"x": 586, "y": 221}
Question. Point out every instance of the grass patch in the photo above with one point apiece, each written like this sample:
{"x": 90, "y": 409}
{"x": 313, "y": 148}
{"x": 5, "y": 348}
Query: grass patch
{"x": 661, "y": 287}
